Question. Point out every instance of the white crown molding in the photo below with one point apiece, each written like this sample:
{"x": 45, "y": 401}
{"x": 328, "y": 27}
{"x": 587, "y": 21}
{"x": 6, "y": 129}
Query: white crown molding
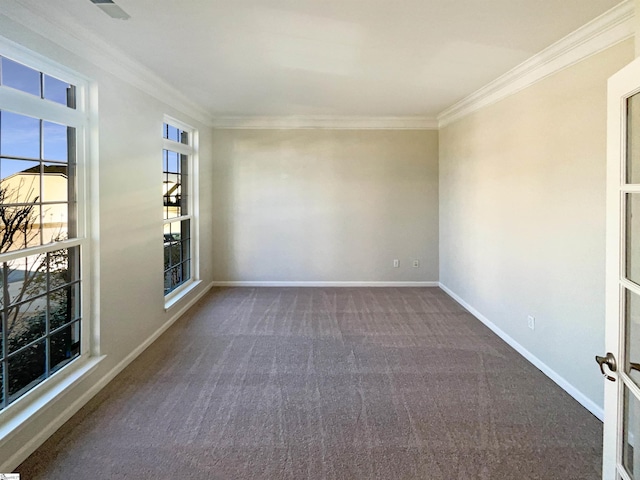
{"x": 326, "y": 122}
{"x": 610, "y": 28}
{"x": 252, "y": 283}
{"x": 61, "y": 30}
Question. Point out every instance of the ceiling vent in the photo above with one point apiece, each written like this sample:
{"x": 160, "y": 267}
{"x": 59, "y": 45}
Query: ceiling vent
{"x": 111, "y": 9}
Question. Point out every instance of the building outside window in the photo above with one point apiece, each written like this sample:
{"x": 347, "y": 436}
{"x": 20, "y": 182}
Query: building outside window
{"x": 179, "y": 239}
{"x": 43, "y": 237}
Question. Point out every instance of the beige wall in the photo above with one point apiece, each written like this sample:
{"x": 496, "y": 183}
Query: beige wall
{"x": 522, "y": 215}
{"x": 325, "y": 205}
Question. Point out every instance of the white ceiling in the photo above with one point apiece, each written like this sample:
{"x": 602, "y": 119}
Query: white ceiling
{"x": 332, "y": 57}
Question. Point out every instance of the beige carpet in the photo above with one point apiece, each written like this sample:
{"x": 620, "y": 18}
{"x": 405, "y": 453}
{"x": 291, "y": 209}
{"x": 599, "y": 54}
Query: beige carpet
{"x": 322, "y": 383}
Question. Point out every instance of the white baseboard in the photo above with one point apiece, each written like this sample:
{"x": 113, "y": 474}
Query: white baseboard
{"x": 323, "y": 284}
{"x": 21, "y": 455}
{"x": 544, "y": 368}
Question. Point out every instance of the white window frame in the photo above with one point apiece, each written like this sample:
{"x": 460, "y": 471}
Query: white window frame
{"x": 191, "y": 151}
{"x": 84, "y": 119}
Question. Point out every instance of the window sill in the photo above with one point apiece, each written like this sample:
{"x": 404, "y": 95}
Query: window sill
{"x": 179, "y": 293}
{"x": 30, "y": 405}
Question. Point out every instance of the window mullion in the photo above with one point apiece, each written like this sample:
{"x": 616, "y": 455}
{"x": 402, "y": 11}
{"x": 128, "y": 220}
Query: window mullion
{"x": 39, "y": 249}
{"x": 25, "y": 104}
{"x": 5, "y": 366}
{"x": 177, "y": 219}
{"x": 177, "y": 147}
{"x": 47, "y": 329}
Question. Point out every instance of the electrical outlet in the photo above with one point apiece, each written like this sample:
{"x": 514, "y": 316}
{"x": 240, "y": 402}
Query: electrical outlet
{"x": 416, "y": 263}
{"x": 531, "y": 321}
{"x": 396, "y": 263}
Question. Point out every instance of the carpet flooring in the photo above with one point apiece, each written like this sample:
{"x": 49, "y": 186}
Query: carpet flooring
{"x": 326, "y": 383}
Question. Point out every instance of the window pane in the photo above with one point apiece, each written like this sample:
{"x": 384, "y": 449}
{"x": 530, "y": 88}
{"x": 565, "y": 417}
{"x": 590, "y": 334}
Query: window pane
{"x": 186, "y": 269}
{"x": 173, "y": 278}
{"x": 55, "y": 141}
{"x": 172, "y": 188}
{"x": 172, "y": 248}
{"x": 170, "y": 132}
{"x": 186, "y": 249}
{"x": 179, "y": 256}
{"x": 173, "y": 164}
{"x": 20, "y": 181}
{"x": 20, "y": 77}
{"x": 26, "y": 369}
{"x": 631, "y": 432}
{"x": 176, "y": 254}
{"x": 185, "y": 229}
{"x": 63, "y": 267}
{"x": 633, "y": 237}
{"x": 172, "y": 195}
{"x": 59, "y": 91}
{"x": 63, "y": 306}
{"x": 55, "y": 183}
{"x": 182, "y": 199}
{"x": 633, "y": 145}
{"x": 1, "y": 343}
{"x": 25, "y": 323}
{"x": 632, "y": 335}
{"x": 55, "y": 222}
{"x": 27, "y": 278}
{"x": 175, "y": 134}
{"x": 19, "y": 227}
{"x": 65, "y": 346}
{"x": 19, "y": 135}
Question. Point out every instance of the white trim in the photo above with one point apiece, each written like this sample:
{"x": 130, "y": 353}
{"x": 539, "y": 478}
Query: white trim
{"x": 13, "y": 427}
{"x": 92, "y": 212}
{"x": 180, "y": 148}
{"x": 539, "y": 364}
{"x": 252, "y": 283}
{"x": 59, "y": 28}
{"x": 30, "y": 105}
{"x": 610, "y": 28}
{"x": 21, "y": 455}
{"x": 173, "y": 297}
{"x": 326, "y": 122}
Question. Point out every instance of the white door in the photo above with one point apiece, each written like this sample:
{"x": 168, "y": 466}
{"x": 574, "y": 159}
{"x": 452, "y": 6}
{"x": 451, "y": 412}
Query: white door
{"x": 621, "y": 362}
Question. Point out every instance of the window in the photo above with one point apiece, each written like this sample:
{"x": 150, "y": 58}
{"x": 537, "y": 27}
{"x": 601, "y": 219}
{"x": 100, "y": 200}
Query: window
{"x": 178, "y": 206}
{"x": 42, "y": 232}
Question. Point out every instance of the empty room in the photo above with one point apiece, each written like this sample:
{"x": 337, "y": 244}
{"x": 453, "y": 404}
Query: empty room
{"x": 398, "y": 239}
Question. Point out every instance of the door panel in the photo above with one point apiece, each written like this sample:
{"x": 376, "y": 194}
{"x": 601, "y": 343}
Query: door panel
{"x": 621, "y": 452}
